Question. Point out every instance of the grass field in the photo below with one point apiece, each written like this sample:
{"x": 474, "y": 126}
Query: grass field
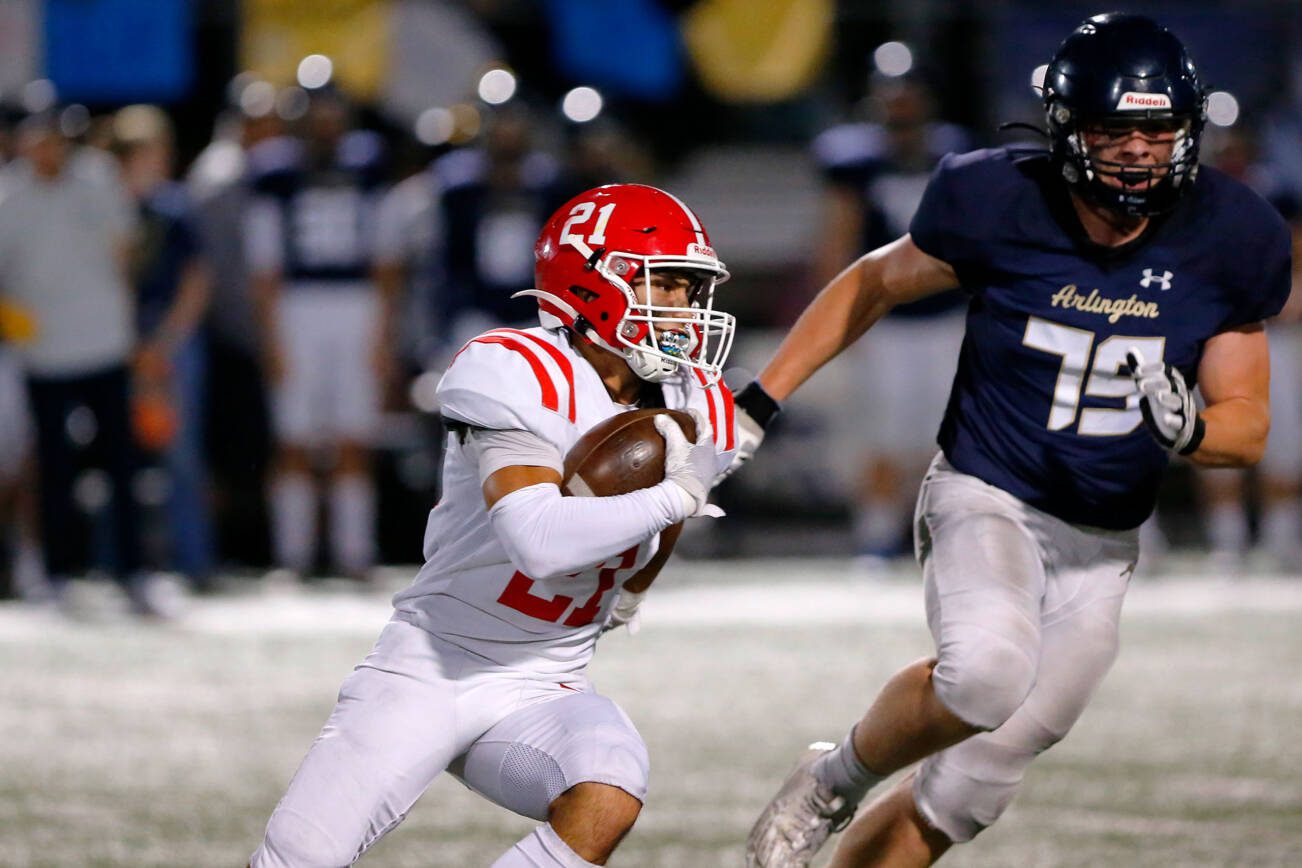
{"x": 127, "y": 744}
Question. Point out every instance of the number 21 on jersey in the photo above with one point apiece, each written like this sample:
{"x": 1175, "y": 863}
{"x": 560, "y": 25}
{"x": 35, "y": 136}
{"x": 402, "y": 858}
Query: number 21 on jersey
{"x": 519, "y": 594}
{"x": 1107, "y": 376}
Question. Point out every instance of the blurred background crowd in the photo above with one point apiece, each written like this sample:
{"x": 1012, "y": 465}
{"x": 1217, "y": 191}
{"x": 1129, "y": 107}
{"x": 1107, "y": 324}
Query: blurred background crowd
{"x": 239, "y": 242}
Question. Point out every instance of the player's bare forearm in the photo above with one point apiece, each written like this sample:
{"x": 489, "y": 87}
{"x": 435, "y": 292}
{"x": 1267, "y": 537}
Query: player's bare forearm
{"x": 837, "y": 316}
{"x": 642, "y": 579}
{"x": 1234, "y": 377}
{"x": 855, "y": 299}
{"x": 1236, "y": 433}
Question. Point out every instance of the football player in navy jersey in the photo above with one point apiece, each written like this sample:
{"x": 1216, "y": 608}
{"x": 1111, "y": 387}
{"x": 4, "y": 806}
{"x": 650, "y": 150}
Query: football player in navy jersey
{"x": 1105, "y": 279}
{"x": 310, "y": 233}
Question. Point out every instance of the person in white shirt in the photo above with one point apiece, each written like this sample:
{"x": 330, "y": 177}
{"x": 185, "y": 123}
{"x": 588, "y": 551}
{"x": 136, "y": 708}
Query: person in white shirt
{"x": 64, "y": 231}
{"x": 482, "y": 670}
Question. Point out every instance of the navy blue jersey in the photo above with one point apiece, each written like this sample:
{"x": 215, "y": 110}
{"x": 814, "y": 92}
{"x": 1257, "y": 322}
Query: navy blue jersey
{"x": 327, "y": 212}
{"x": 489, "y": 232}
{"x": 1041, "y": 406}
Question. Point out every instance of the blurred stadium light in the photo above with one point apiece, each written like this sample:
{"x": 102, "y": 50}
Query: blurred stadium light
{"x": 893, "y": 59}
{"x": 315, "y": 71}
{"x": 435, "y": 126}
{"x": 257, "y": 99}
{"x": 291, "y": 103}
{"x": 1222, "y": 108}
{"x": 582, "y": 104}
{"x": 38, "y": 96}
{"x": 497, "y": 86}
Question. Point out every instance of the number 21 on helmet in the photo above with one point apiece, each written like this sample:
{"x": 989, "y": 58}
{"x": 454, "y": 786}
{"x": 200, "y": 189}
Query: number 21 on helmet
{"x": 594, "y": 263}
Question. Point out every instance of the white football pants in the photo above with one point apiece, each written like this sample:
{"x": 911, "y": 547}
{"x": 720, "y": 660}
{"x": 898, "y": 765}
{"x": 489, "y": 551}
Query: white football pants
{"x": 1024, "y": 610}
{"x": 418, "y": 705}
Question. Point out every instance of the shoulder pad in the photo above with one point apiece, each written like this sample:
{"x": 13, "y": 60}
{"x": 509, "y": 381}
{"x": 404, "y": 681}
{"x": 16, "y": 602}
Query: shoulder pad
{"x": 510, "y": 379}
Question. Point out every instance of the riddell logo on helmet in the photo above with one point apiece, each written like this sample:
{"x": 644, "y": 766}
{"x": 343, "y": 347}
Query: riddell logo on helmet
{"x": 702, "y": 250}
{"x": 1132, "y": 101}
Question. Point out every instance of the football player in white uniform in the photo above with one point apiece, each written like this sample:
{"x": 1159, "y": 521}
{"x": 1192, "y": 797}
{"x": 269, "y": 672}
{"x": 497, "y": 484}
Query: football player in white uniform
{"x": 481, "y": 671}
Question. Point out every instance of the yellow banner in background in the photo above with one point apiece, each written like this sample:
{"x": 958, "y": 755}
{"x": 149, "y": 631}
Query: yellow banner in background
{"x": 354, "y": 34}
{"x": 758, "y": 52}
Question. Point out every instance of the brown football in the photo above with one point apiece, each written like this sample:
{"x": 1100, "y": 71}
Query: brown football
{"x": 622, "y": 454}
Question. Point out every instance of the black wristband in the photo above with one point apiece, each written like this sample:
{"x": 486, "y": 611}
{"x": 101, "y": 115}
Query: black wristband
{"x": 757, "y": 403}
{"x": 1199, "y": 432}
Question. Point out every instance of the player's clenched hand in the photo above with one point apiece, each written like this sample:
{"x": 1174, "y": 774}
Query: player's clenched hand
{"x": 690, "y": 466}
{"x": 755, "y": 409}
{"x": 1167, "y": 404}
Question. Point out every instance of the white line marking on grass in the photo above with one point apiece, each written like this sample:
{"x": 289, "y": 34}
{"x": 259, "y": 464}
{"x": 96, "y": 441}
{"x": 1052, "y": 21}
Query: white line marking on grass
{"x": 697, "y": 594}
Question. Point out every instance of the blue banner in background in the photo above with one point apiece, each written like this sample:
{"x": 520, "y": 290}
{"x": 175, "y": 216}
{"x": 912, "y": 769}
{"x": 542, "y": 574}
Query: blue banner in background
{"x": 626, "y": 48}
{"x": 118, "y": 51}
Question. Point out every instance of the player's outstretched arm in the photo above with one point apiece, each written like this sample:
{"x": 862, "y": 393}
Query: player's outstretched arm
{"x": 1234, "y": 378}
{"x": 855, "y": 299}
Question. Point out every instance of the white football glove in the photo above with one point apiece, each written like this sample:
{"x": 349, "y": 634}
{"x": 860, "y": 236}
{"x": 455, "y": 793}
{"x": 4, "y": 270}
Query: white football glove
{"x": 1167, "y": 404}
{"x": 625, "y": 613}
{"x": 754, "y": 410}
{"x": 690, "y": 466}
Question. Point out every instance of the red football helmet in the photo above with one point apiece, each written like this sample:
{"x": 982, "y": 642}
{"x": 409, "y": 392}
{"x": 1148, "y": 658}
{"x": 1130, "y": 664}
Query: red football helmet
{"x": 590, "y": 258}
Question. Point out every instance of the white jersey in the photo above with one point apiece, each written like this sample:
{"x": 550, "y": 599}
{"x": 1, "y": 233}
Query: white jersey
{"x": 469, "y": 592}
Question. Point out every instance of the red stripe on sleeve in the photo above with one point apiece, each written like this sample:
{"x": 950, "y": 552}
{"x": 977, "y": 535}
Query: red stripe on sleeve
{"x": 709, "y": 402}
{"x": 550, "y": 400}
{"x": 729, "y": 416}
{"x": 562, "y": 362}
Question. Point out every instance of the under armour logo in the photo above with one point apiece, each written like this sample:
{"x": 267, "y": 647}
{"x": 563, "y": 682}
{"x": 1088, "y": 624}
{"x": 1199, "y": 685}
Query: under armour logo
{"x": 1163, "y": 280}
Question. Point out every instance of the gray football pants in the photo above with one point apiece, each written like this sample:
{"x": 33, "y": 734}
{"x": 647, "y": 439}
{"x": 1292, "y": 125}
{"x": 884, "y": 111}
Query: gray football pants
{"x": 1024, "y": 610}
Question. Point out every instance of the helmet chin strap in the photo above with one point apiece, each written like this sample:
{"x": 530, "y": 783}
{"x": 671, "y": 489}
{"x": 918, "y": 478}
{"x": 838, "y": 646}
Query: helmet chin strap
{"x": 649, "y": 367}
{"x": 656, "y": 367}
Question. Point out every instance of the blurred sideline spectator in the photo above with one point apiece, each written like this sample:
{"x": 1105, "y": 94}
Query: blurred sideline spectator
{"x": 603, "y": 152}
{"x": 875, "y": 172}
{"x": 408, "y": 271}
{"x": 310, "y": 234}
{"x": 21, "y": 569}
{"x": 1279, "y": 475}
{"x": 22, "y": 572}
{"x": 173, "y": 288}
{"x": 495, "y": 200}
{"x": 238, "y": 425}
{"x": 63, "y": 243}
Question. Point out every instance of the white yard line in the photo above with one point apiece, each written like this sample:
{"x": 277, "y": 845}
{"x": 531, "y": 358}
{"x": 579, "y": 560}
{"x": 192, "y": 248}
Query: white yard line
{"x": 699, "y": 594}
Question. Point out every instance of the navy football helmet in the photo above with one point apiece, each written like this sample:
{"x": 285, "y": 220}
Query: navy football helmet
{"x": 1115, "y": 72}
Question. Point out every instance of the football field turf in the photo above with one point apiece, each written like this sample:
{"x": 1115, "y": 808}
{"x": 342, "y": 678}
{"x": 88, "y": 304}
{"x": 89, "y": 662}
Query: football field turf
{"x": 127, "y": 744}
